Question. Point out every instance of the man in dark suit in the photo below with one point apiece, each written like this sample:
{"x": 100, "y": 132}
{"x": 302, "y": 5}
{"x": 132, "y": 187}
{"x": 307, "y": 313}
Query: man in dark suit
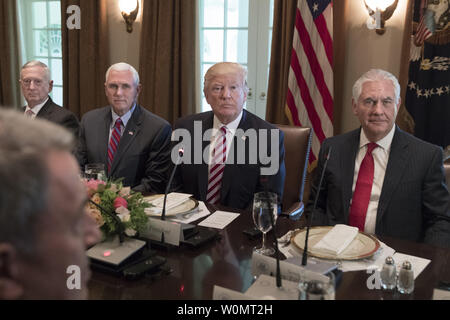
{"x": 130, "y": 141}
{"x": 227, "y": 149}
{"x": 379, "y": 178}
{"x": 36, "y": 86}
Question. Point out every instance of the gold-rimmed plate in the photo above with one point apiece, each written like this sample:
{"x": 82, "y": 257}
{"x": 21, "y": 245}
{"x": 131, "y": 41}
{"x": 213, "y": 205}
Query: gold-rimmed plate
{"x": 363, "y": 246}
{"x": 186, "y": 207}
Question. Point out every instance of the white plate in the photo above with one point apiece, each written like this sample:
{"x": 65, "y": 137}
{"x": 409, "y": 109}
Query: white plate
{"x": 363, "y": 246}
{"x": 186, "y": 207}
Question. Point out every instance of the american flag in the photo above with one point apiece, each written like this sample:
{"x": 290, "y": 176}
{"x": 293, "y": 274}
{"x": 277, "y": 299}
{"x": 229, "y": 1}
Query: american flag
{"x": 310, "y": 94}
{"x": 425, "y": 28}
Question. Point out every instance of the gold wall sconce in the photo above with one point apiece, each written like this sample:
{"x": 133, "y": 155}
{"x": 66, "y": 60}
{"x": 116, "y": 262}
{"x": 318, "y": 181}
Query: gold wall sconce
{"x": 130, "y": 10}
{"x": 379, "y": 11}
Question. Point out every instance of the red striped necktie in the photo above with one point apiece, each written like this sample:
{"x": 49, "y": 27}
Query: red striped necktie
{"x": 363, "y": 189}
{"x": 114, "y": 142}
{"x": 217, "y": 166}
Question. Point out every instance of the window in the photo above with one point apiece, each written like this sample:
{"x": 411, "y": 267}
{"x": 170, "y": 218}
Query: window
{"x": 238, "y": 31}
{"x": 40, "y": 29}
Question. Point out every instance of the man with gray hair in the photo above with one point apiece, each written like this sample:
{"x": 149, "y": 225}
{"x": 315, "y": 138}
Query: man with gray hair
{"x": 131, "y": 142}
{"x": 44, "y": 226}
{"x": 36, "y": 84}
{"x": 378, "y": 178}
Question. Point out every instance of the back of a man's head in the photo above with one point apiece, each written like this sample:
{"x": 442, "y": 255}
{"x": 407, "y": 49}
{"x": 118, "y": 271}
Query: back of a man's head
{"x": 26, "y": 154}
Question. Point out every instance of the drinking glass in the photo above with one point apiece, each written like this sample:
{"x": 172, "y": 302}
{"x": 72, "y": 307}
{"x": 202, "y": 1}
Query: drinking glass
{"x": 317, "y": 289}
{"x": 265, "y": 205}
{"x": 95, "y": 171}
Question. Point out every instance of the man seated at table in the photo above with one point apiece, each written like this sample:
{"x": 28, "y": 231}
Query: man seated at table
{"x": 379, "y": 178}
{"x": 230, "y": 154}
{"x": 129, "y": 140}
{"x": 36, "y": 84}
{"x": 44, "y": 227}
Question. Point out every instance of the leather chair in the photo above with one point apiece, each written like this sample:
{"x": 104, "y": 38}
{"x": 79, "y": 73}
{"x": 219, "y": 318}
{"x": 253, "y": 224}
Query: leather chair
{"x": 447, "y": 172}
{"x": 297, "y": 144}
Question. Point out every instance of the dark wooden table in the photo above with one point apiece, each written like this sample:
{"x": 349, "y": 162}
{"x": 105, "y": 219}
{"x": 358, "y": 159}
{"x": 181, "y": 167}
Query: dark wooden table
{"x": 227, "y": 262}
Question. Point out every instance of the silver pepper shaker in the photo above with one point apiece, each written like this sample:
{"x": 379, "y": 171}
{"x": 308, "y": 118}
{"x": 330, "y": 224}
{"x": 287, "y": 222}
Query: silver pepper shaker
{"x": 388, "y": 274}
{"x": 405, "y": 282}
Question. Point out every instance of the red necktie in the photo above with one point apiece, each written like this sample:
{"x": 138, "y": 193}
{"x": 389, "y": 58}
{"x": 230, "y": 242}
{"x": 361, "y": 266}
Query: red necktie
{"x": 363, "y": 189}
{"x": 114, "y": 142}
{"x": 219, "y": 156}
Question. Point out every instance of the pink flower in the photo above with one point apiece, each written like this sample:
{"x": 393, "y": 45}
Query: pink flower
{"x": 92, "y": 186}
{"x": 120, "y": 202}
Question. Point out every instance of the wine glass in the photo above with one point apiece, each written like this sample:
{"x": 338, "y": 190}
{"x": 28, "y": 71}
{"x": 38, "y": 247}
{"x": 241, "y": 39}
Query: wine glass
{"x": 95, "y": 171}
{"x": 265, "y": 210}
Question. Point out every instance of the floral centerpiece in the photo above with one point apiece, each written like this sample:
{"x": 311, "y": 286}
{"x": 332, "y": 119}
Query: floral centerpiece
{"x": 112, "y": 198}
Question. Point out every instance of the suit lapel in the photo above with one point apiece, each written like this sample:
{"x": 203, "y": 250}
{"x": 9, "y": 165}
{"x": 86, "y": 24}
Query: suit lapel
{"x": 207, "y": 123}
{"x": 397, "y": 163}
{"x": 229, "y": 171}
{"x": 103, "y": 135}
{"x": 129, "y": 134}
{"x": 46, "y": 109}
{"x": 347, "y": 163}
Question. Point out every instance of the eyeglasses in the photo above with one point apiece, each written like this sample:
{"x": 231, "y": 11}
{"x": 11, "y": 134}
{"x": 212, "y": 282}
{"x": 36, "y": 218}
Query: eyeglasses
{"x": 27, "y": 82}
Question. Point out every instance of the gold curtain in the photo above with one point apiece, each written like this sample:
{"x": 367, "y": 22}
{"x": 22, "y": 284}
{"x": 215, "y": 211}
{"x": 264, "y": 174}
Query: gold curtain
{"x": 404, "y": 119}
{"x": 85, "y": 56}
{"x": 282, "y": 36}
{"x": 283, "y": 32}
{"x": 9, "y": 55}
{"x": 167, "y": 57}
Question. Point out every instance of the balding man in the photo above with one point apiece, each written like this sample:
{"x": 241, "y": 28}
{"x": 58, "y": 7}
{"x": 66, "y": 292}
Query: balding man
{"x": 36, "y": 84}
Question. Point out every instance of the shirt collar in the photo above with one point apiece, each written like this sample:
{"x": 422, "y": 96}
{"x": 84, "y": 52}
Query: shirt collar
{"x": 384, "y": 143}
{"x": 232, "y": 126}
{"x": 125, "y": 118}
{"x": 37, "y": 107}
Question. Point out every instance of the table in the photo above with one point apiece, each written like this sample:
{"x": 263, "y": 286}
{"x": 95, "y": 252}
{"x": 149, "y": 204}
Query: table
{"x": 227, "y": 262}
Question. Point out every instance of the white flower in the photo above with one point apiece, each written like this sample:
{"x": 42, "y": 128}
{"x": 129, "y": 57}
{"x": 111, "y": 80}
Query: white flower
{"x": 125, "y": 192}
{"x": 123, "y": 214}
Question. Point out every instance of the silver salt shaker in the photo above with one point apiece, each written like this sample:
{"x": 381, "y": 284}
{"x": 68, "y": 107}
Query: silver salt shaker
{"x": 388, "y": 274}
{"x": 405, "y": 283}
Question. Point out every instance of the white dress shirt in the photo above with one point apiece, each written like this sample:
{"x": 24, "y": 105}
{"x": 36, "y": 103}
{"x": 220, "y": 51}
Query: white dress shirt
{"x": 35, "y": 109}
{"x": 125, "y": 118}
{"x": 381, "y": 158}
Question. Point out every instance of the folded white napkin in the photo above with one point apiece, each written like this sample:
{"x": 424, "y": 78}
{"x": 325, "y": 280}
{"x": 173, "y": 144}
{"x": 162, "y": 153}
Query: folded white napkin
{"x": 336, "y": 240}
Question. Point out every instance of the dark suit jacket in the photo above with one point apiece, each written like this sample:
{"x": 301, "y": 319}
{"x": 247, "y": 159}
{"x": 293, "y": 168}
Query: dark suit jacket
{"x": 55, "y": 113}
{"x": 240, "y": 181}
{"x": 414, "y": 197}
{"x": 143, "y": 155}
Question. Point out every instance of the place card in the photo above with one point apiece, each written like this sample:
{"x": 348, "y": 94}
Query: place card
{"x": 262, "y": 264}
{"x": 219, "y": 219}
{"x": 265, "y": 288}
{"x": 172, "y": 231}
{"x": 221, "y": 293}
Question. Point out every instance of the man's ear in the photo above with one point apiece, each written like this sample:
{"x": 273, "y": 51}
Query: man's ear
{"x": 10, "y": 288}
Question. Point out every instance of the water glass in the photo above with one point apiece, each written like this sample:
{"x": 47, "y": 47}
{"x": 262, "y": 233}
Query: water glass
{"x": 265, "y": 210}
{"x": 95, "y": 171}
